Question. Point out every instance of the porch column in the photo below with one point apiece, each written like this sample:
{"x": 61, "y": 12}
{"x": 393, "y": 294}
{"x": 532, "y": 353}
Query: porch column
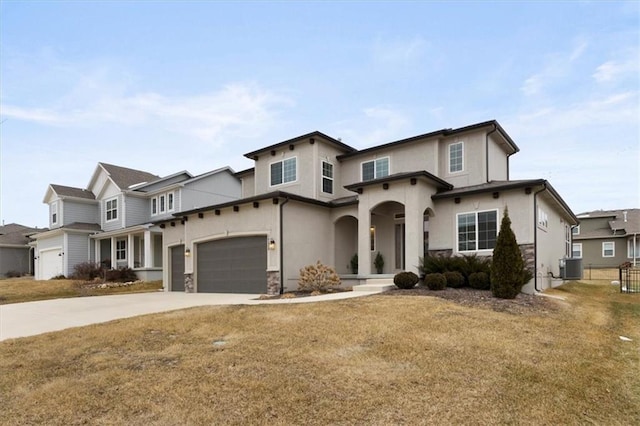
{"x": 114, "y": 262}
{"x": 130, "y": 252}
{"x": 148, "y": 255}
{"x": 414, "y": 235}
{"x": 364, "y": 246}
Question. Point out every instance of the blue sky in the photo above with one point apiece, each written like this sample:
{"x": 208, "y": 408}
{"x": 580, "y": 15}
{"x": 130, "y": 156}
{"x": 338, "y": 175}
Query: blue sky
{"x": 169, "y": 86}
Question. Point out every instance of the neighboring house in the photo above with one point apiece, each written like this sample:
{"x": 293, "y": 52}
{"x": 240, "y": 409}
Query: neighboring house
{"x": 607, "y": 239}
{"x": 315, "y": 198}
{"x": 111, "y": 222}
{"x": 15, "y": 252}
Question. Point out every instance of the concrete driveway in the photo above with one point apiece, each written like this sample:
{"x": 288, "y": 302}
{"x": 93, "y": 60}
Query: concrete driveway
{"x": 31, "y": 318}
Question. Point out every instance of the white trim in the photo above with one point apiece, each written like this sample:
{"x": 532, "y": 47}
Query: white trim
{"x": 475, "y": 213}
{"x": 107, "y": 209}
{"x": 575, "y": 230}
{"x": 126, "y": 243}
{"x": 575, "y": 246}
{"x": 171, "y": 206}
{"x": 630, "y": 245}
{"x": 613, "y": 248}
{"x": 323, "y": 177}
{"x": 54, "y": 212}
{"x": 283, "y": 182}
{"x": 450, "y": 146}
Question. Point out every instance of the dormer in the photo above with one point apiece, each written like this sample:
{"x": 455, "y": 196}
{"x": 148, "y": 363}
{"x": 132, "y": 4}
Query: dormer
{"x": 305, "y": 166}
{"x": 69, "y": 205}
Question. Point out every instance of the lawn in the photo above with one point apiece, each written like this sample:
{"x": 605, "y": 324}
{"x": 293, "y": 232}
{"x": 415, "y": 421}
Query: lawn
{"x": 372, "y": 360}
{"x": 18, "y": 290}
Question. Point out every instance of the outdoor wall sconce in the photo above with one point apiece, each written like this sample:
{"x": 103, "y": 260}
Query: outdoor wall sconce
{"x": 187, "y": 252}
{"x": 272, "y": 244}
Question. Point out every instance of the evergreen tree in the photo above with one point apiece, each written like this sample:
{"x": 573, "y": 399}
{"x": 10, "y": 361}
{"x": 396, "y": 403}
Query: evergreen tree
{"x": 507, "y": 267}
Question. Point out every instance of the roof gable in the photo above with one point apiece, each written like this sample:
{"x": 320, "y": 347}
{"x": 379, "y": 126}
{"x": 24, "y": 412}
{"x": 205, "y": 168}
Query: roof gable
{"x": 309, "y": 136}
{"x": 121, "y": 177}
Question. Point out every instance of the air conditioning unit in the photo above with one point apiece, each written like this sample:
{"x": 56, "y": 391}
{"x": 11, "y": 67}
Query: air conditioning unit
{"x": 571, "y": 269}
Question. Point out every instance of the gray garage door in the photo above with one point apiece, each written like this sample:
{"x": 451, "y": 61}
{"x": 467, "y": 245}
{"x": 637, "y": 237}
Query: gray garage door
{"x": 177, "y": 268}
{"x": 234, "y": 265}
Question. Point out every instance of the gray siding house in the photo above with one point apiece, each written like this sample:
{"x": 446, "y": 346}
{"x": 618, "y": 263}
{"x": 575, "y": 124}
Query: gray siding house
{"x": 15, "y": 252}
{"x": 112, "y": 221}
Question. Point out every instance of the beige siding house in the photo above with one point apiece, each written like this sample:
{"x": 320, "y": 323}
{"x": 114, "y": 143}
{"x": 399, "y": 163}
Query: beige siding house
{"x": 315, "y": 198}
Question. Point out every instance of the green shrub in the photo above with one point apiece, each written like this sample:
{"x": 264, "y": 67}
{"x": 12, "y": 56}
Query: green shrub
{"x": 479, "y": 281}
{"x": 87, "y": 271}
{"x": 354, "y": 264}
{"x": 466, "y": 265}
{"x": 317, "y": 277}
{"x": 507, "y": 268}
{"x": 435, "y": 281}
{"x": 122, "y": 275}
{"x": 435, "y": 264}
{"x": 405, "y": 280}
{"x": 454, "y": 279}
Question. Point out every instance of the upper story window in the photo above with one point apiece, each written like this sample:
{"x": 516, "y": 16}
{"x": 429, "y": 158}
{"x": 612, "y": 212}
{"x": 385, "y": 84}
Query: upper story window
{"x": 456, "y": 157}
{"x": 608, "y": 249}
{"x": 477, "y": 230}
{"x": 111, "y": 209}
{"x": 283, "y": 171}
{"x": 327, "y": 177}
{"x": 576, "y": 251}
{"x": 163, "y": 203}
{"x": 543, "y": 219}
{"x": 54, "y": 213}
{"x": 575, "y": 230}
{"x": 375, "y": 169}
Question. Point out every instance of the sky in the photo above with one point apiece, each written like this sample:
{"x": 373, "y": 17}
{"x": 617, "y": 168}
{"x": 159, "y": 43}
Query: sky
{"x": 166, "y": 86}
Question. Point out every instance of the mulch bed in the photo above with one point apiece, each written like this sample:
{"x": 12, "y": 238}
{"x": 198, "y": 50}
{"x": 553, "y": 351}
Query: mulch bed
{"x": 522, "y": 304}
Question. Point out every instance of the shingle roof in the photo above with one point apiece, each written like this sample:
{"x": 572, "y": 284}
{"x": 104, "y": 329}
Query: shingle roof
{"x": 14, "y": 227}
{"x": 629, "y": 224}
{"x": 69, "y": 191}
{"x": 124, "y": 177}
{"x": 15, "y": 234}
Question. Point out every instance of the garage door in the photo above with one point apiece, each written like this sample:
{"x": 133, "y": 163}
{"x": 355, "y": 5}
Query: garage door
{"x": 234, "y": 265}
{"x": 177, "y": 268}
{"x": 50, "y": 264}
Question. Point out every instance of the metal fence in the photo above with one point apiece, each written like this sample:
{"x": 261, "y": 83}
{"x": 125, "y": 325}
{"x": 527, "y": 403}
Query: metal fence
{"x": 629, "y": 280}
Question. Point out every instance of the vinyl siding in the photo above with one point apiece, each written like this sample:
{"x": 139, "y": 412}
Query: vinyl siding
{"x": 137, "y": 211}
{"x": 215, "y": 189}
{"x": 14, "y": 259}
{"x": 76, "y": 252}
{"x": 52, "y": 242}
{"x": 72, "y": 212}
{"x": 177, "y": 194}
{"x": 115, "y": 224}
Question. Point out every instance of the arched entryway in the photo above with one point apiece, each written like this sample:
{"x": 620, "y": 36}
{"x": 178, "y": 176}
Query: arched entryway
{"x": 387, "y": 237}
{"x": 346, "y": 244}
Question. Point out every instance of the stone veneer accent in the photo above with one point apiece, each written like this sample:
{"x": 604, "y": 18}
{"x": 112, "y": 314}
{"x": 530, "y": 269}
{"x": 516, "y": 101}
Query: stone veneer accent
{"x": 446, "y": 252}
{"x": 273, "y": 282}
{"x": 188, "y": 283}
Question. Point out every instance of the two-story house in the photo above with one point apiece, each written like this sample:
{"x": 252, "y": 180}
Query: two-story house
{"x": 605, "y": 239}
{"x": 315, "y": 198}
{"x": 111, "y": 221}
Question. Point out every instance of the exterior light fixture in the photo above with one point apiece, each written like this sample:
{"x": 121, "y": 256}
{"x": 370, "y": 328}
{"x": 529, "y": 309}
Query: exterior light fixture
{"x": 272, "y": 244}
{"x": 187, "y": 252}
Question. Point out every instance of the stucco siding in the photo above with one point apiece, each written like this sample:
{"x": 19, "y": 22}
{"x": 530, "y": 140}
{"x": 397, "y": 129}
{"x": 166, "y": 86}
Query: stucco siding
{"x": 551, "y": 243}
{"x": 248, "y": 186}
{"x": 14, "y": 259}
{"x": 474, "y": 165}
{"x": 498, "y": 161}
{"x": 72, "y": 212}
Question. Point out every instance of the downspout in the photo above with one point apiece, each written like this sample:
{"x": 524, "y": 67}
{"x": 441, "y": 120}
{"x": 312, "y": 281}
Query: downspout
{"x": 635, "y": 255}
{"x": 486, "y": 145}
{"x": 286, "y": 200}
{"x": 535, "y": 236}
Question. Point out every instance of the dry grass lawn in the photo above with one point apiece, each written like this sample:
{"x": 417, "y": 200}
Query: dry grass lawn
{"x": 372, "y": 360}
{"x": 18, "y": 290}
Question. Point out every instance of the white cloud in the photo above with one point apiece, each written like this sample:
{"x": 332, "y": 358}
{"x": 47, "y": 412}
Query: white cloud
{"x": 613, "y": 70}
{"x": 398, "y": 51}
{"x": 376, "y": 125}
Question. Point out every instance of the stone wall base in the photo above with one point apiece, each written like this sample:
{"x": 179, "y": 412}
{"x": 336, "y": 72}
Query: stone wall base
{"x": 188, "y": 283}
{"x": 273, "y": 282}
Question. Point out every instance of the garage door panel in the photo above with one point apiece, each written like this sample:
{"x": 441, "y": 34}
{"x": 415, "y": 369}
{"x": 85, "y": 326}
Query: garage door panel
{"x": 235, "y": 265}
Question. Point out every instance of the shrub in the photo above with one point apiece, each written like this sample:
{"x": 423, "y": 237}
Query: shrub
{"x": 435, "y": 264}
{"x": 405, "y": 280}
{"x": 454, "y": 279}
{"x": 507, "y": 268}
{"x": 121, "y": 275}
{"x": 479, "y": 281}
{"x": 378, "y": 262}
{"x": 59, "y": 277}
{"x": 317, "y": 277}
{"x": 354, "y": 264}
{"x": 87, "y": 271}
{"x": 435, "y": 281}
{"x": 13, "y": 274}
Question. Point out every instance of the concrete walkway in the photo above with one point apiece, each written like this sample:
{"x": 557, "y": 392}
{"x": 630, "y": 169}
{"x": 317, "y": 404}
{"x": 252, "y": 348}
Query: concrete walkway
{"x": 31, "y": 318}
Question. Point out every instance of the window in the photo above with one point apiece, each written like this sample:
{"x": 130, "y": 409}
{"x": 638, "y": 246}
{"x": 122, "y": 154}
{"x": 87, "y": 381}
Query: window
{"x": 576, "y": 230}
{"x": 170, "y": 201}
{"x": 576, "y": 251}
{"x": 111, "y": 209}
{"x": 121, "y": 250}
{"x": 543, "y": 219}
{"x": 567, "y": 241}
{"x": 633, "y": 252}
{"x": 477, "y": 231}
{"x": 162, "y": 202}
{"x": 54, "y": 213}
{"x": 154, "y": 206}
{"x": 327, "y": 177}
{"x": 456, "y": 156}
{"x": 283, "y": 171}
{"x": 375, "y": 169}
{"x": 372, "y": 238}
{"x": 608, "y": 249}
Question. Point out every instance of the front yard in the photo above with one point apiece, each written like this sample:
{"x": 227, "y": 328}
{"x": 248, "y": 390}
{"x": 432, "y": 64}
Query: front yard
{"x": 373, "y": 360}
{"x": 18, "y": 290}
